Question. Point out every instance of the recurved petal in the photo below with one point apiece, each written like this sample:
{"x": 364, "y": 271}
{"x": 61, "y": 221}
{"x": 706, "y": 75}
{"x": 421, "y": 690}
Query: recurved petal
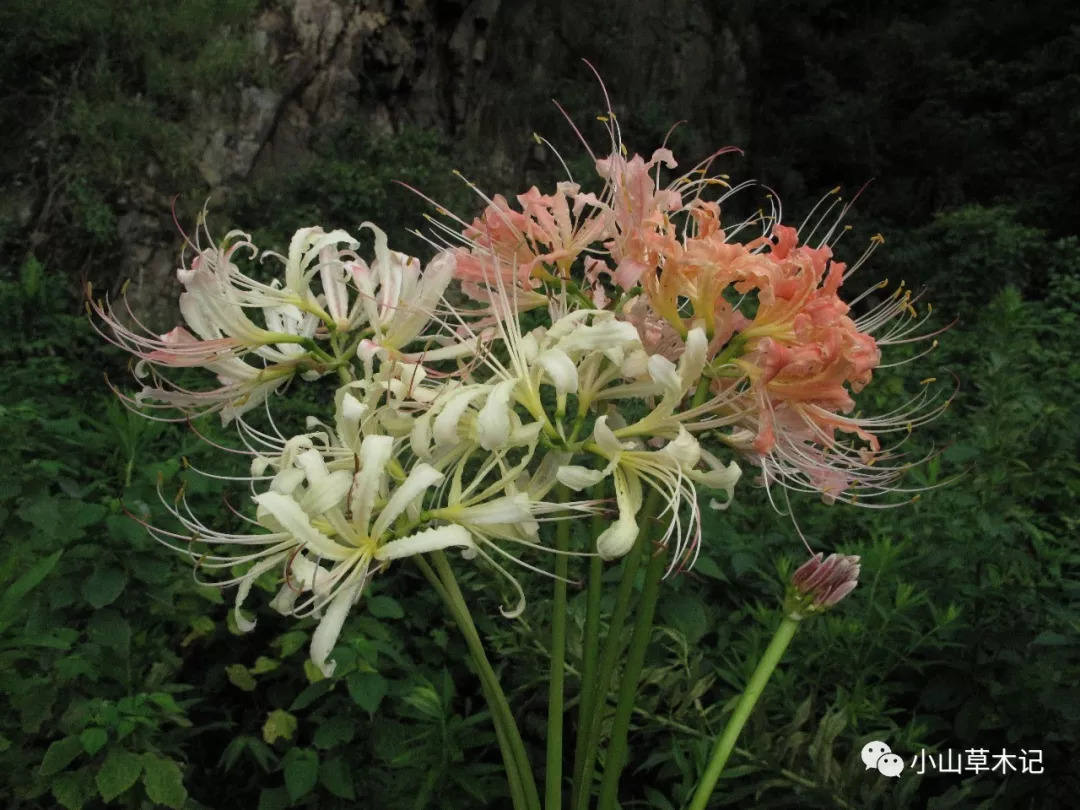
{"x": 493, "y": 423}
{"x": 421, "y": 477}
{"x": 577, "y": 477}
{"x": 294, "y": 520}
{"x": 560, "y": 370}
{"x": 326, "y": 634}
{"x": 428, "y": 540}
{"x": 329, "y": 492}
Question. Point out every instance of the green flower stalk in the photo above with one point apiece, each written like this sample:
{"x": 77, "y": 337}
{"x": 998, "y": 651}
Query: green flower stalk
{"x": 815, "y": 587}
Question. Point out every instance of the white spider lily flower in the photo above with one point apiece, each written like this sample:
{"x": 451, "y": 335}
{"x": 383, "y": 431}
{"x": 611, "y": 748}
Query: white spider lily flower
{"x": 313, "y": 252}
{"x": 339, "y": 519}
{"x": 671, "y": 471}
{"x": 673, "y": 382}
{"x": 399, "y": 299}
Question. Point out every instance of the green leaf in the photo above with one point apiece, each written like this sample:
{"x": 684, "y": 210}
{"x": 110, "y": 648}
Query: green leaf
{"x": 687, "y": 613}
{"x": 334, "y": 731}
{"x": 367, "y": 689}
{"x": 14, "y": 593}
{"x": 93, "y": 739}
{"x": 110, "y": 629}
{"x": 164, "y": 781}
{"x": 311, "y": 694}
{"x": 288, "y": 643}
{"x": 279, "y": 725}
{"x": 707, "y": 566}
{"x": 336, "y": 776}
{"x": 73, "y": 790}
{"x": 104, "y": 585}
{"x": 384, "y": 607}
{"x": 264, "y": 664}
{"x": 117, "y": 773}
{"x": 301, "y": 768}
{"x": 43, "y": 513}
{"x": 240, "y": 677}
{"x": 274, "y": 799}
{"x": 60, "y": 755}
{"x": 200, "y": 626}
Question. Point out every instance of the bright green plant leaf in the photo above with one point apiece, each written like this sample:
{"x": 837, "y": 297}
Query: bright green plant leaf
{"x": 240, "y": 677}
{"x": 279, "y": 725}
{"x": 117, "y": 773}
{"x": 264, "y": 664}
{"x": 164, "y": 781}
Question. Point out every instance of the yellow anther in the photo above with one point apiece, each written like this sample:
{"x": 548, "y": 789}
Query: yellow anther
{"x": 835, "y": 190}
{"x": 537, "y": 138}
{"x": 602, "y": 118}
{"x": 124, "y": 286}
{"x": 928, "y": 380}
{"x": 877, "y": 237}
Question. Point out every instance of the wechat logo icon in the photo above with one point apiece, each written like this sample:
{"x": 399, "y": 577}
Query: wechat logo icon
{"x": 878, "y": 756}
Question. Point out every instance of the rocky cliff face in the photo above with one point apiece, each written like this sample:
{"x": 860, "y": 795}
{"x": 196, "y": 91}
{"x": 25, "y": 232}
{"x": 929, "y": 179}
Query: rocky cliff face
{"x": 481, "y": 71}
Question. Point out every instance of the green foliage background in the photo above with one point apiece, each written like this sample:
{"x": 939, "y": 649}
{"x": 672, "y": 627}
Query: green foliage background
{"x": 123, "y": 681}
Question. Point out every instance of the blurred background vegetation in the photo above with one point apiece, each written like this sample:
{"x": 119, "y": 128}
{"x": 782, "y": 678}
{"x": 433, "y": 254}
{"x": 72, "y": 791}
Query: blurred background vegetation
{"x": 123, "y": 682}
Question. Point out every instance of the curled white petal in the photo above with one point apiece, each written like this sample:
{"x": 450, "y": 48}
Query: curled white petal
{"x": 375, "y": 452}
{"x": 560, "y": 370}
{"x": 421, "y": 477}
{"x": 428, "y": 540}
{"x": 446, "y": 423}
{"x": 326, "y": 634}
{"x": 578, "y": 478}
{"x": 292, "y": 519}
{"x": 493, "y": 423}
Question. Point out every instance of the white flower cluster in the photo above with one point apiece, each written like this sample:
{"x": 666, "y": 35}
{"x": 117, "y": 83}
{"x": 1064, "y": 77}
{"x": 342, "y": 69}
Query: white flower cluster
{"x": 453, "y": 424}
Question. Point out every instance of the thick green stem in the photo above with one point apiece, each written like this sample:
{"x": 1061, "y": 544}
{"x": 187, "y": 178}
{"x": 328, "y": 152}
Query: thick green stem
{"x": 510, "y": 763}
{"x": 726, "y": 743}
{"x": 553, "y": 774}
{"x": 497, "y": 702}
{"x": 590, "y": 651}
{"x": 612, "y": 648}
{"x": 613, "y": 764}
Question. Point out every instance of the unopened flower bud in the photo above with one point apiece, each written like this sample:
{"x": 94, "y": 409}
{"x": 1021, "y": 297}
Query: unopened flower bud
{"x": 820, "y": 583}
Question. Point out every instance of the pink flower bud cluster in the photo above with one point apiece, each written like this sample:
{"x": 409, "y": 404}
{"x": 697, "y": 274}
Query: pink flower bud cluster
{"x": 821, "y": 582}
